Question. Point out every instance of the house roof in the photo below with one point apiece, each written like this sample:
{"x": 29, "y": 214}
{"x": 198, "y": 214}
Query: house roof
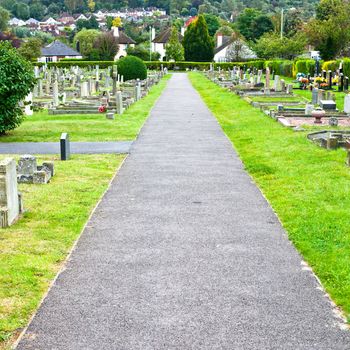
{"x": 124, "y": 39}
{"x": 57, "y": 48}
{"x": 226, "y": 41}
{"x": 164, "y": 36}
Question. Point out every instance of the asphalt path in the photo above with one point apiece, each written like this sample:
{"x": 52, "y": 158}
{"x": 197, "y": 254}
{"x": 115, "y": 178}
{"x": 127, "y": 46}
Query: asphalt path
{"x": 184, "y": 252}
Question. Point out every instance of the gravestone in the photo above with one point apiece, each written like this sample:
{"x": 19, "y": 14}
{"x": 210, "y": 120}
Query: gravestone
{"x": 347, "y": 104}
{"x": 55, "y": 93}
{"x": 119, "y": 102}
{"x": 289, "y": 89}
{"x": 308, "y": 109}
{"x": 65, "y": 146}
{"x": 283, "y": 85}
{"x": 341, "y": 82}
{"x": 84, "y": 89}
{"x": 346, "y": 84}
{"x": 277, "y": 85}
{"x": 10, "y": 200}
{"x": 267, "y": 85}
{"x": 328, "y": 105}
{"x": 315, "y": 96}
{"x": 110, "y": 115}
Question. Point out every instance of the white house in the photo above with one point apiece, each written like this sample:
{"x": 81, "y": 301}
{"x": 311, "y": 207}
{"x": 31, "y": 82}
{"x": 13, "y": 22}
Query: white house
{"x": 123, "y": 41}
{"x": 159, "y": 42}
{"x": 15, "y": 22}
{"x": 56, "y": 51}
{"x": 229, "y": 48}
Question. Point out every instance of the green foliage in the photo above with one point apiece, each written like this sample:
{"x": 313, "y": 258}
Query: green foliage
{"x": 198, "y": 44}
{"x": 85, "y": 39}
{"x": 174, "y": 49}
{"x": 252, "y": 24}
{"x": 87, "y": 24}
{"x": 213, "y": 23}
{"x": 4, "y": 18}
{"x": 31, "y": 49}
{"x": 106, "y": 46}
{"x": 330, "y": 65}
{"x": 143, "y": 52}
{"x": 280, "y": 67}
{"x": 305, "y": 66}
{"x": 329, "y": 32}
{"x": 270, "y": 45}
{"x": 16, "y": 81}
{"x": 132, "y": 68}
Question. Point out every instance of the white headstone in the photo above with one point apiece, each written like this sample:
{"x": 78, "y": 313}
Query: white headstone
{"x": 347, "y": 104}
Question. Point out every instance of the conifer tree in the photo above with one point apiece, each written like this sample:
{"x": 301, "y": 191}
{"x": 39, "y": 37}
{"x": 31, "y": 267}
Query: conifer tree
{"x": 198, "y": 45}
{"x": 174, "y": 49}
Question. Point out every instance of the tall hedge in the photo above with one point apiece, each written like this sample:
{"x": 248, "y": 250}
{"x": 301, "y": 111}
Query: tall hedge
{"x": 280, "y": 67}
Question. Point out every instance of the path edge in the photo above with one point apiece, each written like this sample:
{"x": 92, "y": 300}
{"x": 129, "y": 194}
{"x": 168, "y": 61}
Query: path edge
{"x": 68, "y": 257}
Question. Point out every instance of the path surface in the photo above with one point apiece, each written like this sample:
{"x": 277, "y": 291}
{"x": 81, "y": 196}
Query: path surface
{"x": 184, "y": 253}
{"x": 75, "y": 147}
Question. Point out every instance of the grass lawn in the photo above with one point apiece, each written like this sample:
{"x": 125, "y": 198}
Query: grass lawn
{"x": 307, "y": 186}
{"x": 43, "y": 127}
{"x": 33, "y": 250}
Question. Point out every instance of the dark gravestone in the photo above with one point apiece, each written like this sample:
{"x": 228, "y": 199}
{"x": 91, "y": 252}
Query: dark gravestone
{"x": 324, "y": 74}
{"x": 341, "y": 82}
{"x": 346, "y": 83}
{"x": 328, "y": 105}
{"x": 65, "y": 146}
{"x": 317, "y": 68}
{"x": 330, "y": 79}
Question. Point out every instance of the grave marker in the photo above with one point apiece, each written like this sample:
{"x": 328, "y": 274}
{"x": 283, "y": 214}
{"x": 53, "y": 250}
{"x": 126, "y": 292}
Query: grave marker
{"x": 65, "y": 146}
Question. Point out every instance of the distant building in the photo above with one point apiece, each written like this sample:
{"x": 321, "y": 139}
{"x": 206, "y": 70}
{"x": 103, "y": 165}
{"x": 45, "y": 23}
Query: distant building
{"x": 229, "y": 49}
{"x": 15, "y": 22}
{"x": 32, "y": 23}
{"x": 55, "y": 51}
{"x": 123, "y": 41}
{"x": 159, "y": 42}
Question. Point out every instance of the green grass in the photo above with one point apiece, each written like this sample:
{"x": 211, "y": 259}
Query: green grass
{"x": 42, "y": 127}
{"x": 269, "y": 99}
{"x": 32, "y": 250}
{"x": 307, "y": 186}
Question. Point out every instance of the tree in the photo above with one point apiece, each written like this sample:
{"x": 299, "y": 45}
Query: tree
{"x": 107, "y": 46}
{"x": 37, "y": 10}
{"x": 31, "y": 49}
{"x": 261, "y": 25}
{"x": 16, "y": 81}
{"x": 212, "y": 23}
{"x": 73, "y": 5}
{"x": 87, "y": 23}
{"x": 173, "y": 49}
{"x": 142, "y": 52}
{"x": 270, "y": 45}
{"x": 117, "y": 22}
{"x": 4, "y": 18}
{"x": 21, "y": 10}
{"x": 329, "y": 32}
{"x": 198, "y": 44}
{"x": 91, "y": 5}
{"x": 193, "y": 12}
{"x": 225, "y": 30}
{"x": 84, "y": 41}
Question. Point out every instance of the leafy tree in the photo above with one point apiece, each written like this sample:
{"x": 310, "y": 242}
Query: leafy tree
{"x": 198, "y": 44}
{"x": 117, "y": 22}
{"x": 252, "y": 24}
{"x": 91, "y": 5}
{"x": 87, "y": 23}
{"x": 193, "y": 12}
{"x": 84, "y": 40}
{"x": 225, "y": 30}
{"x": 329, "y": 32}
{"x": 37, "y": 10}
{"x": 270, "y": 45}
{"x": 31, "y": 49}
{"x": 10, "y": 37}
{"x": 16, "y": 81}
{"x": 21, "y": 10}
{"x": 107, "y": 46}
{"x": 173, "y": 49}
{"x": 4, "y": 18}
{"x": 213, "y": 23}
{"x": 73, "y": 5}
{"x": 141, "y": 51}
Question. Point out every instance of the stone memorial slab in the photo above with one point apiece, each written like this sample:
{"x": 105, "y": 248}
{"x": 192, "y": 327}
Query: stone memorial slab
{"x": 328, "y": 105}
{"x": 65, "y": 146}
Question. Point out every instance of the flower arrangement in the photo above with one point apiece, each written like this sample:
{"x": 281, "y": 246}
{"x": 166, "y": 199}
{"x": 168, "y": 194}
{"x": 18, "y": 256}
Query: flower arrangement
{"x": 324, "y": 85}
{"x": 304, "y": 80}
{"x": 102, "y": 109}
{"x": 320, "y": 80}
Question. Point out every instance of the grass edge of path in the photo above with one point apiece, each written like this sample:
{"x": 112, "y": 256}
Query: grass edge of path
{"x": 274, "y": 156}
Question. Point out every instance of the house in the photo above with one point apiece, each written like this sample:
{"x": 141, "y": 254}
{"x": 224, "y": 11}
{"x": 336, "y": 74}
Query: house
{"x": 123, "y": 41}
{"x": 159, "y": 42}
{"x": 55, "y": 51}
{"x": 230, "y": 48}
{"x": 15, "y": 22}
{"x": 32, "y": 23}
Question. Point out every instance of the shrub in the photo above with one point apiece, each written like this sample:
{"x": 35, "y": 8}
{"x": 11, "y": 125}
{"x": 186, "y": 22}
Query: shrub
{"x": 16, "y": 81}
{"x": 330, "y": 65}
{"x": 280, "y": 67}
{"x": 131, "y": 67}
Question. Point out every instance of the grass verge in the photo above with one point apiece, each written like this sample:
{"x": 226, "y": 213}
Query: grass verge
{"x": 33, "y": 250}
{"x": 42, "y": 127}
{"x": 307, "y": 186}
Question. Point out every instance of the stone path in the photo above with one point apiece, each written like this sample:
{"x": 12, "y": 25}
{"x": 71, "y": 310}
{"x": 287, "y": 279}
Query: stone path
{"x": 75, "y": 147}
{"x": 183, "y": 253}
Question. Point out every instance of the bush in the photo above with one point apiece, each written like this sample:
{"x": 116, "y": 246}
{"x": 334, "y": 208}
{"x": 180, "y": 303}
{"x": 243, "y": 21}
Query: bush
{"x": 330, "y": 65}
{"x": 131, "y": 67}
{"x": 16, "y": 81}
{"x": 280, "y": 67}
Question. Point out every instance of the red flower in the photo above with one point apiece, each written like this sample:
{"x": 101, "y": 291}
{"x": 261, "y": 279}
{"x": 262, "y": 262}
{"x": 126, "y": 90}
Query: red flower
{"x": 102, "y": 109}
